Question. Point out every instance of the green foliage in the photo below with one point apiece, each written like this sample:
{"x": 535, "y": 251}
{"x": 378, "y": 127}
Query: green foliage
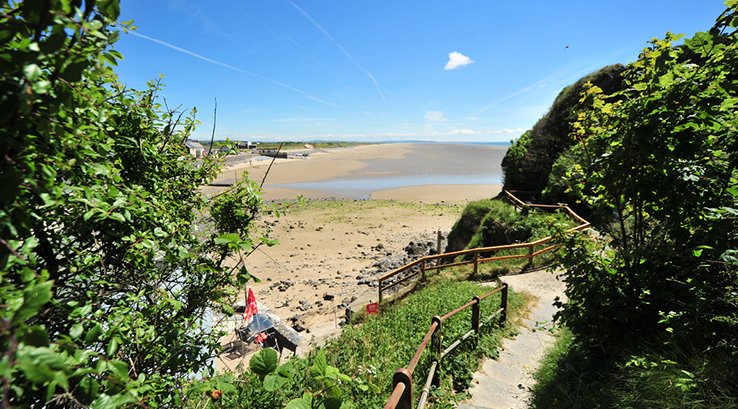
{"x": 646, "y": 377}
{"x": 658, "y": 161}
{"x": 504, "y": 225}
{"x": 528, "y": 162}
{"x": 109, "y": 255}
{"x": 264, "y": 362}
{"x": 383, "y": 343}
{"x": 495, "y": 222}
{"x": 468, "y": 223}
{"x": 356, "y": 369}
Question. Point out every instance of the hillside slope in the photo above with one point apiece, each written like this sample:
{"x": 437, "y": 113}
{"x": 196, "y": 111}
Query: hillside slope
{"x": 528, "y": 162}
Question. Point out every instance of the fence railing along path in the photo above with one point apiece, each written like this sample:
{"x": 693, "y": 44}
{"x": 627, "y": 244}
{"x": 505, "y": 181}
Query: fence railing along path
{"x": 402, "y": 392}
{"x": 428, "y": 263}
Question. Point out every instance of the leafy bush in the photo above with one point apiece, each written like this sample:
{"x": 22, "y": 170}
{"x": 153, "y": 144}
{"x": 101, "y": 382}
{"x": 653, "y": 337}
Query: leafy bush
{"x": 363, "y": 359}
{"x": 570, "y": 376}
{"x": 661, "y": 158}
{"x": 106, "y": 271}
{"x": 468, "y": 223}
{"x": 383, "y": 343}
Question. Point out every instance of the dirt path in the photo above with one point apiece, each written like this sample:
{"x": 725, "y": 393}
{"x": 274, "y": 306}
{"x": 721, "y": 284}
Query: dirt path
{"x": 506, "y": 382}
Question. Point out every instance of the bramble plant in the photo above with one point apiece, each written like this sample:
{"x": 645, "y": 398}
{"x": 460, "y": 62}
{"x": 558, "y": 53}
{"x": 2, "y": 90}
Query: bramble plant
{"x": 107, "y": 267}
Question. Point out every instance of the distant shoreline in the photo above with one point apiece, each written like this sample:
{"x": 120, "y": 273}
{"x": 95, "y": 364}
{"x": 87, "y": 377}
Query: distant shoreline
{"x": 426, "y": 171}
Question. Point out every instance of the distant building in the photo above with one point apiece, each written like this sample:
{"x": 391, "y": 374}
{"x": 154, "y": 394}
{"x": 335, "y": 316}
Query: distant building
{"x": 196, "y": 149}
{"x": 247, "y": 145}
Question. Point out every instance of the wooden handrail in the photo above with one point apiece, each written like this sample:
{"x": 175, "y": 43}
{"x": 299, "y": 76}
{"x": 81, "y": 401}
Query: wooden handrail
{"x": 434, "y": 262}
{"x": 402, "y": 391}
{"x": 401, "y": 396}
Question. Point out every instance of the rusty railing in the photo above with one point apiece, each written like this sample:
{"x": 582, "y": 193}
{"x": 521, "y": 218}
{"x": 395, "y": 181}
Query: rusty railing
{"x": 436, "y": 261}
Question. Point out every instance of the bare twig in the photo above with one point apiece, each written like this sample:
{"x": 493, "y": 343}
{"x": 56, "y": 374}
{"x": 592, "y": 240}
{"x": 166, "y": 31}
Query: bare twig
{"x": 215, "y": 117}
{"x": 270, "y": 165}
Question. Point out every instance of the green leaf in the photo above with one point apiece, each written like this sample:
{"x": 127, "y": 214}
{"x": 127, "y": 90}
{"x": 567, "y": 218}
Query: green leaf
{"x": 264, "y": 362}
{"x": 40, "y": 364}
{"x": 228, "y": 238}
{"x": 112, "y": 346}
{"x": 36, "y": 336}
{"x": 76, "y": 330}
{"x": 34, "y": 297}
{"x": 93, "y": 334}
{"x": 286, "y": 370}
{"x": 109, "y": 8}
{"x": 320, "y": 366}
{"x": 117, "y": 217}
{"x": 119, "y": 369}
{"x": 332, "y": 403}
{"x": 32, "y": 72}
{"x": 273, "y": 382}
{"x": 305, "y": 402}
{"x": 73, "y": 71}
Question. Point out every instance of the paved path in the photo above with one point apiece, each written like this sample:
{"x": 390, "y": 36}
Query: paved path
{"x": 505, "y": 383}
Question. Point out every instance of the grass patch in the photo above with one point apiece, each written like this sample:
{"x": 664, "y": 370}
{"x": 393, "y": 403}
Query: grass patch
{"x": 371, "y": 352}
{"x": 383, "y": 343}
{"x": 651, "y": 377}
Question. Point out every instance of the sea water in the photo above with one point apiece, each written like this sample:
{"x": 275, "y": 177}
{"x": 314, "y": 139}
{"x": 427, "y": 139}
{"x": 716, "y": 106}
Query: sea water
{"x": 423, "y": 164}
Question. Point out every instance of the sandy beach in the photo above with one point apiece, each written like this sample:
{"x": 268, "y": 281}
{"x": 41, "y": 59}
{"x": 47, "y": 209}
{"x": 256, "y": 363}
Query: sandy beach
{"x": 408, "y": 172}
{"x": 332, "y": 249}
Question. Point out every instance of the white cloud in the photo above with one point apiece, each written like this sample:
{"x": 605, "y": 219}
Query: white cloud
{"x": 435, "y": 116}
{"x": 456, "y": 60}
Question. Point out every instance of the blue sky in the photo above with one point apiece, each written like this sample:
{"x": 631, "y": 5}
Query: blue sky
{"x": 481, "y": 70}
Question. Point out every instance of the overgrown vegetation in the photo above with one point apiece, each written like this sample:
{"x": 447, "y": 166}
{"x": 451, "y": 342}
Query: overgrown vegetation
{"x": 653, "y": 305}
{"x": 367, "y": 355}
{"x": 106, "y": 276}
{"x": 646, "y": 377}
{"x": 495, "y": 222}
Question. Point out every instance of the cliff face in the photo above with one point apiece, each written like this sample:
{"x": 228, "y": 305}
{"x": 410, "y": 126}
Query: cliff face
{"x": 528, "y": 162}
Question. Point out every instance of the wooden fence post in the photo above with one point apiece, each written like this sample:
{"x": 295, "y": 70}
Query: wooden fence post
{"x": 422, "y": 271}
{"x": 404, "y": 376}
{"x": 475, "y": 314}
{"x": 530, "y": 257}
{"x": 379, "y": 288}
{"x": 503, "y": 304}
{"x": 476, "y": 264}
{"x": 437, "y": 350}
{"x": 438, "y": 242}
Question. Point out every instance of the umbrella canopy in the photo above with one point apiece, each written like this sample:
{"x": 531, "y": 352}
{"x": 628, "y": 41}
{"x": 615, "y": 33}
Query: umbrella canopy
{"x": 259, "y": 323}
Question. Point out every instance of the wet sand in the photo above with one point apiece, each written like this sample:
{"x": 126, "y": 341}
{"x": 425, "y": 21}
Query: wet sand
{"x": 328, "y": 251}
{"x": 414, "y": 172}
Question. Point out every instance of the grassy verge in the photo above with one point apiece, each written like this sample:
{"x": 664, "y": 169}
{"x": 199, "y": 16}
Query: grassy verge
{"x": 651, "y": 377}
{"x": 370, "y": 353}
{"x": 386, "y": 342}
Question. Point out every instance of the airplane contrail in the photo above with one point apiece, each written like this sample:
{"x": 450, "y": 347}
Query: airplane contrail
{"x": 231, "y": 67}
{"x": 340, "y": 48}
{"x": 521, "y": 91}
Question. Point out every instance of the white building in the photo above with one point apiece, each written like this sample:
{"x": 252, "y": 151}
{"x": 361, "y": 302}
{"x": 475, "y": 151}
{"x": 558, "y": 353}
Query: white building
{"x": 196, "y": 149}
